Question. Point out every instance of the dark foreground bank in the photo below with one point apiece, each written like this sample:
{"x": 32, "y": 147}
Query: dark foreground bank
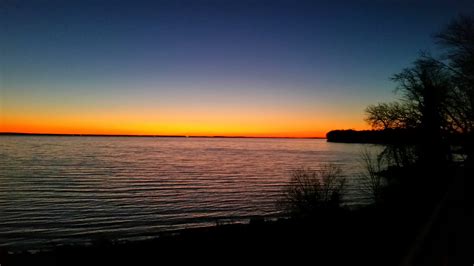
{"x": 340, "y": 238}
{"x": 367, "y": 237}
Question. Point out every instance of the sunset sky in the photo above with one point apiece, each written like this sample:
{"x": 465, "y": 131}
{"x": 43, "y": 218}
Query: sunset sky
{"x": 252, "y": 68}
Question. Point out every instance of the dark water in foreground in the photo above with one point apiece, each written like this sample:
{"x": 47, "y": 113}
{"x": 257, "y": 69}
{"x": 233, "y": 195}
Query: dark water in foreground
{"x": 58, "y": 190}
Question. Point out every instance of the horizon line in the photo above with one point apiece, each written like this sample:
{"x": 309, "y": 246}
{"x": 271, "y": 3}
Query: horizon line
{"x": 148, "y": 135}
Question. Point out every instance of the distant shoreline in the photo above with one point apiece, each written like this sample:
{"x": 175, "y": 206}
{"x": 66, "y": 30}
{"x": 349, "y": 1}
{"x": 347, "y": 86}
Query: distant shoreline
{"x": 144, "y": 136}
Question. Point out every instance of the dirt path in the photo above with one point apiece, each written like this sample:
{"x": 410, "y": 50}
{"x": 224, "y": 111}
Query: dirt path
{"x": 447, "y": 238}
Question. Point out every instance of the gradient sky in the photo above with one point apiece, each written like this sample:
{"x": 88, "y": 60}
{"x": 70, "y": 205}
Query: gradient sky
{"x": 254, "y": 68}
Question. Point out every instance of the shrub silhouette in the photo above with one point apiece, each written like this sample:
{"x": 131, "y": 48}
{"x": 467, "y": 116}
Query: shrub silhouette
{"x": 371, "y": 178}
{"x": 310, "y": 191}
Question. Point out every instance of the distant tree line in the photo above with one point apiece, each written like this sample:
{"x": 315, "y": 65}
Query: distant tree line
{"x": 386, "y": 136}
{"x": 400, "y": 136}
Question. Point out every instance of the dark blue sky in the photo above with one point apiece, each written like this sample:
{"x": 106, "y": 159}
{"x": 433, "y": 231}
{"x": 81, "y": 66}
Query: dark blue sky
{"x": 302, "y": 57}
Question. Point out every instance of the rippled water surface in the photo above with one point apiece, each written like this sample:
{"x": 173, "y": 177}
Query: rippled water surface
{"x": 59, "y": 190}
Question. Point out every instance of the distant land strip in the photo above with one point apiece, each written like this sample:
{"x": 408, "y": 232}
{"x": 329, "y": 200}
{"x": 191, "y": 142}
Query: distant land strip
{"x": 397, "y": 136}
{"x": 387, "y": 136}
{"x": 146, "y": 136}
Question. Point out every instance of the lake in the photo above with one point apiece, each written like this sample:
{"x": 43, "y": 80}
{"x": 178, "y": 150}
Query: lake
{"x": 63, "y": 189}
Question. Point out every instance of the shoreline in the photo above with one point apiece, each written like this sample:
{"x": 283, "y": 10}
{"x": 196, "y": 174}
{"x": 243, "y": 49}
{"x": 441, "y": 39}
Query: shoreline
{"x": 117, "y": 239}
{"x": 353, "y": 234}
{"x": 329, "y": 237}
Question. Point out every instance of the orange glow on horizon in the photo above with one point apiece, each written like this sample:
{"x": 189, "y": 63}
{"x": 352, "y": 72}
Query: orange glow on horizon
{"x": 125, "y": 127}
{"x": 199, "y": 120}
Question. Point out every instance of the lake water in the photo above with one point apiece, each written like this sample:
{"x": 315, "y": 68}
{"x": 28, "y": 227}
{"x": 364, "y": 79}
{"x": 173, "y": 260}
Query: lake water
{"x": 62, "y": 190}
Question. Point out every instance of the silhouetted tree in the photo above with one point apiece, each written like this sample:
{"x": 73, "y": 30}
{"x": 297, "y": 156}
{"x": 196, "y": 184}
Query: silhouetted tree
{"x": 372, "y": 180}
{"x": 425, "y": 86}
{"x": 437, "y": 95}
{"x": 457, "y": 40}
{"x": 390, "y": 116}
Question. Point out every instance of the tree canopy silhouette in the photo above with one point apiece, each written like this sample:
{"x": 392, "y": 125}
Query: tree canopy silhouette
{"x": 437, "y": 94}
